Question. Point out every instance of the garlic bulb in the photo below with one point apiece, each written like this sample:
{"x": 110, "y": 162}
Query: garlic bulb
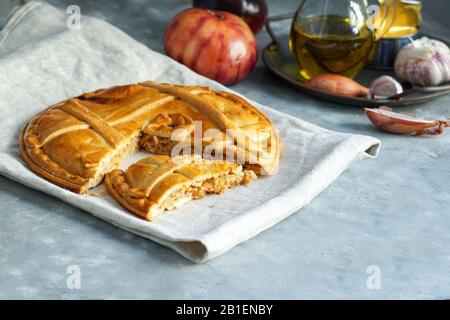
{"x": 425, "y": 62}
{"x": 384, "y": 87}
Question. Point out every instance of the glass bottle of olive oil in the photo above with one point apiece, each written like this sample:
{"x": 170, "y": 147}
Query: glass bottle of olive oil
{"x": 330, "y": 44}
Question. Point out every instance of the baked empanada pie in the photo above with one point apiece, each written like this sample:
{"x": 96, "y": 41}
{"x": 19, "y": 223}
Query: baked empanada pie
{"x": 74, "y": 143}
{"x": 158, "y": 183}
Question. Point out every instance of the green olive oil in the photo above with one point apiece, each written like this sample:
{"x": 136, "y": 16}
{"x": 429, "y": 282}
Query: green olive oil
{"x": 330, "y": 44}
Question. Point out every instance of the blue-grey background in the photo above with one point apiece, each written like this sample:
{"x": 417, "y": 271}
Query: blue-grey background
{"x": 391, "y": 212}
{"x": 437, "y": 9}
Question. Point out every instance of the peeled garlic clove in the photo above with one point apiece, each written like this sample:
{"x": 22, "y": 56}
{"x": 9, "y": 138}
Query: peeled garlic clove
{"x": 384, "y": 87}
{"x": 424, "y": 62}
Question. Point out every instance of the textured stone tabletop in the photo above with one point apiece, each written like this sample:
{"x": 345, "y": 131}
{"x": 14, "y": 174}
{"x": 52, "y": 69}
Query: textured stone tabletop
{"x": 389, "y": 216}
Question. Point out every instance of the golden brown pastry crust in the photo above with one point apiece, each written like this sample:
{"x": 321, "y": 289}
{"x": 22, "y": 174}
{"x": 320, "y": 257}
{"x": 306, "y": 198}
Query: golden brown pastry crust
{"x": 76, "y": 142}
{"x": 158, "y": 183}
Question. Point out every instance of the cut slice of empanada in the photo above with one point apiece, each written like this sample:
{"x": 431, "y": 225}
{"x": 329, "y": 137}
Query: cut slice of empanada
{"x": 158, "y": 183}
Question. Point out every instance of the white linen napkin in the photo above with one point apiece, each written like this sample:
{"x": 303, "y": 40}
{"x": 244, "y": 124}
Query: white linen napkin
{"x": 42, "y": 62}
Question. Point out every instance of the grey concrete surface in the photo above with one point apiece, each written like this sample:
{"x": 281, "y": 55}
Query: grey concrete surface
{"x": 391, "y": 212}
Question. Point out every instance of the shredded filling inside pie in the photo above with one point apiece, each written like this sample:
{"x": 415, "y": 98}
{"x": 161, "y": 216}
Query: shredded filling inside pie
{"x": 148, "y": 191}
{"x": 114, "y": 160}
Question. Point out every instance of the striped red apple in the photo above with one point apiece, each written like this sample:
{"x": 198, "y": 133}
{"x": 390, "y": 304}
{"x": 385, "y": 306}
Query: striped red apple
{"x": 216, "y": 44}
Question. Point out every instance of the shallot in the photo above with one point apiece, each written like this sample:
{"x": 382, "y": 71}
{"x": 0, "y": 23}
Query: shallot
{"x": 337, "y": 84}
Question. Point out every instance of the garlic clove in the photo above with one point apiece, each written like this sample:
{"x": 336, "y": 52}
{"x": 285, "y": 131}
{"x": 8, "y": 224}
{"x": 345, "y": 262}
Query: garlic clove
{"x": 388, "y": 120}
{"x": 384, "y": 87}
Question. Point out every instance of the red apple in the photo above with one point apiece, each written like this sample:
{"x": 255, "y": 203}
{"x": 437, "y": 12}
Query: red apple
{"x": 216, "y": 44}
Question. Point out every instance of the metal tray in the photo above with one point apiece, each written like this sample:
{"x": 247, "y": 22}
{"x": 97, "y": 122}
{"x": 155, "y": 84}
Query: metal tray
{"x": 278, "y": 59}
